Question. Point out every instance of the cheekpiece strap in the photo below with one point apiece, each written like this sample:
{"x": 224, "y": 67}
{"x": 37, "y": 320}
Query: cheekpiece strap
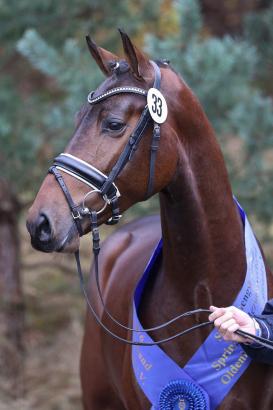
{"x": 75, "y": 210}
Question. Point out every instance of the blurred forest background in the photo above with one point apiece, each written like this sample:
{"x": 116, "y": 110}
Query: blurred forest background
{"x": 223, "y": 49}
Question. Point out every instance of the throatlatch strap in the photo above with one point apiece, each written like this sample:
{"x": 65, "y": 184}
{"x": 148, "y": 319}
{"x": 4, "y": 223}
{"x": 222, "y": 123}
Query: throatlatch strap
{"x": 154, "y": 148}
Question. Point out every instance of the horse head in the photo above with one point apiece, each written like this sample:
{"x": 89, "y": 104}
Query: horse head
{"x": 104, "y": 125}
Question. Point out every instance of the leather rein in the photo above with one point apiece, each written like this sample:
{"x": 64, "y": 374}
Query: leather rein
{"x": 105, "y": 186}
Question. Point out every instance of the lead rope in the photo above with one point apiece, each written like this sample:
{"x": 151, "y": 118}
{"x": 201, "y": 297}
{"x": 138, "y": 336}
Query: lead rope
{"x": 96, "y": 249}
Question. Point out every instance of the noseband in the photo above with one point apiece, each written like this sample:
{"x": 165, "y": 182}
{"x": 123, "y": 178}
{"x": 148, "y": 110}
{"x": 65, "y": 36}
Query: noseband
{"x": 105, "y": 186}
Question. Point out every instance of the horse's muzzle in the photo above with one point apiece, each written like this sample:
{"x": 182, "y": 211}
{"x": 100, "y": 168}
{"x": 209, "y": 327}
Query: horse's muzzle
{"x": 41, "y": 233}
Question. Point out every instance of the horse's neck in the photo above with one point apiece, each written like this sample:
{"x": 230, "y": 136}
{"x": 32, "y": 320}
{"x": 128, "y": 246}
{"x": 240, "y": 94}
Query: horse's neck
{"x": 203, "y": 243}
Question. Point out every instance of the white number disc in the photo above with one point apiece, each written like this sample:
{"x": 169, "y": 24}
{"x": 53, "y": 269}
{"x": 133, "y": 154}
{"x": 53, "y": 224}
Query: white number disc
{"x": 157, "y": 105}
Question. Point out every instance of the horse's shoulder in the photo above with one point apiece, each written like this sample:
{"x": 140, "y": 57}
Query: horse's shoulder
{"x": 137, "y": 233}
{"x": 129, "y": 247}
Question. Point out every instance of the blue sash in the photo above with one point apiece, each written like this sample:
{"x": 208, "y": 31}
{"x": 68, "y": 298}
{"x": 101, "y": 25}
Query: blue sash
{"x": 216, "y": 366}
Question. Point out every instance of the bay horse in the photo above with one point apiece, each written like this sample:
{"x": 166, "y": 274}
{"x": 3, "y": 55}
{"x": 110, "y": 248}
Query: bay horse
{"x": 203, "y": 258}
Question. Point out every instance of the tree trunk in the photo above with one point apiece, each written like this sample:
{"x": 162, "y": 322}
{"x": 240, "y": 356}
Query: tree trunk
{"x": 11, "y": 298}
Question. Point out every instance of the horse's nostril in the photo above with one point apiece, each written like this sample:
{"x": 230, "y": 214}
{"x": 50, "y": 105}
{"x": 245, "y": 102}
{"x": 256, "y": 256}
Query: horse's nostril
{"x": 43, "y": 230}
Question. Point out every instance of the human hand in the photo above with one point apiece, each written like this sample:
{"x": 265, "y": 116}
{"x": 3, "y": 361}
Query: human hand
{"x": 228, "y": 320}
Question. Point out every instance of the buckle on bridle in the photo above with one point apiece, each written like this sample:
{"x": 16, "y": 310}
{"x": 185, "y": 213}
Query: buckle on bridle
{"x": 76, "y": 214}
{"x": 106, "y": 199}
{"x": 113, "y": 220}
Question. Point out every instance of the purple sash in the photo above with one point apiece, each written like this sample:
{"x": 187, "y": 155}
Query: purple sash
{"x": 216, "y": 365}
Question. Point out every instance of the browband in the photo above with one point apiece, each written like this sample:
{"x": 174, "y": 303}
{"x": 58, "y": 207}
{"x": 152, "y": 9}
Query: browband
{"x": 113, "y": 91}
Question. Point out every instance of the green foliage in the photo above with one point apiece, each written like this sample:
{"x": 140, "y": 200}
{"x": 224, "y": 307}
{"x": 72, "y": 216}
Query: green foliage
{"x": 40, "y": 54}
{"x": 69, "y": 66}
{"x": 62, "y": 19}
{"x": 259, "y": 31}
{"x": 190, "y": 20}
{"x": 208, "y": 66}
{"x": 18, "y": 148}
{"x": 70, "y": 69}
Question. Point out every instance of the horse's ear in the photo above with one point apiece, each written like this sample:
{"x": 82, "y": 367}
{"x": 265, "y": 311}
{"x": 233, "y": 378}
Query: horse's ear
{"x": 101, "y": 56}
{"x": 139, "y": 63}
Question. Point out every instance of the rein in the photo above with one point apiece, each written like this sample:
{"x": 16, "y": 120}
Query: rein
{"x": 105, "y": 186}
{"x": 96, "y": 249}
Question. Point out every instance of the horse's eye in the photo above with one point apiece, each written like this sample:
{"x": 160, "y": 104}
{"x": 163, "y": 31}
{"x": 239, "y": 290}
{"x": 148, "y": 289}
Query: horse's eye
{"x": 115, "y": 126}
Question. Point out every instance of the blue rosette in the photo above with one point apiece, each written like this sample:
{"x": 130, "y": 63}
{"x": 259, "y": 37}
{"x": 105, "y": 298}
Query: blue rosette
{"x": 183, "y": 395}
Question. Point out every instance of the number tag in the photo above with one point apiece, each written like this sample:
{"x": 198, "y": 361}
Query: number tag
{"x": 157, "y": 105}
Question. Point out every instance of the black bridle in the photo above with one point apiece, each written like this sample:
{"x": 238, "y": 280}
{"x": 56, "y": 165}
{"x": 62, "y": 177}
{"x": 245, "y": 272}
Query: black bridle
{"x": 105, "y": 186}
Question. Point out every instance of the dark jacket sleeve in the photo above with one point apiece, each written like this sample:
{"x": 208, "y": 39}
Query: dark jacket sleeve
{"x": 257, "y": 353}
